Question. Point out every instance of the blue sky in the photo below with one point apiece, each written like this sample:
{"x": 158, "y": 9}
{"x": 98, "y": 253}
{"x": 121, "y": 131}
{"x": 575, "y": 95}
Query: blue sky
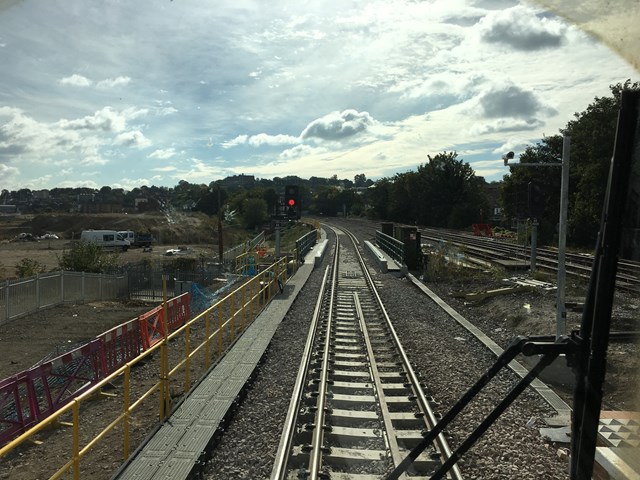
{"x": 132, "y": 93}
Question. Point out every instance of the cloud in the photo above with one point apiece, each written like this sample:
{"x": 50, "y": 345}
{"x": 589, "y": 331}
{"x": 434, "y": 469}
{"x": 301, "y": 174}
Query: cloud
{"x": 338, "y": 125}
{"x": 113, "y": 82}
{"x": 239, "y": 140}
{"x": 521, "y": 29}
{"x": 6, "y": 171}
{"x": 300, "y": 151}
{"x": 162, "y": 154}
{"x": 106, "y": 119}
{"x": 134, "y": 138}
{"x": 168, "y": 168}
{"x": 506, "y": 125}
{"x": 512, "y": 101}
{"x": 260, "y": 140}
{"x": 93, "y": 159}
{"x": 76, "y": 81}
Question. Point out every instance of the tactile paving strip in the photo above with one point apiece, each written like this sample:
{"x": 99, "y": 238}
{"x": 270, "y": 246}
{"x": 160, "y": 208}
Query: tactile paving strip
{"x": 620, "y": 429}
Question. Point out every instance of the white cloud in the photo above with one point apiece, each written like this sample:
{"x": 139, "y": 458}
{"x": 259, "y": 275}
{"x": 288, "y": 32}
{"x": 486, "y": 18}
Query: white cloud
{"x": 134, "y": 138}
{"x": 76, "y": 80}
{"x": 520, "y": 28}
{"x": 272, "y": 140}
{"x": 6, "y": 171}
{"x": 162, "y": 154}
{"x": 113, "y": 82}
{"x": 338, "y": 125}
{"x": 168, "y": 168}
{"x": 239, "y": 140}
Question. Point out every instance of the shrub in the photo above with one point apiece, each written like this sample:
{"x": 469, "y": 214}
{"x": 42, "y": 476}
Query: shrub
{"x": 28, "y": 267}
{"x": 88, "y": 257}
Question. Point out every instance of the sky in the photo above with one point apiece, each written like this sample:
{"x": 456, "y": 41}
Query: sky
{"x": 152, "y": 92}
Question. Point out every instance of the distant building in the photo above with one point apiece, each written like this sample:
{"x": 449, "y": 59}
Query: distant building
{"x": 242, "y": 180}
{"x": 8, "y": 209}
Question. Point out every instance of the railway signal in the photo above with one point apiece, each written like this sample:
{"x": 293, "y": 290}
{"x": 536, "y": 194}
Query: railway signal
{"x": 292, "y": 201}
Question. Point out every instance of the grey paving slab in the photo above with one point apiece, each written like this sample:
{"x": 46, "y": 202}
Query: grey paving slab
{"x": 174, "y": 450}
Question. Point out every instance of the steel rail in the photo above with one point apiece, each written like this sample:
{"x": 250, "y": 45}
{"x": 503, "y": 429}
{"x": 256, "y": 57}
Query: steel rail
{"x": 423, "y": 402}
{"x": 315, "y": 460}
{"x": 279, "y": 467}
{"x": 384, "y": 407}
{"x": 577, "y": 265}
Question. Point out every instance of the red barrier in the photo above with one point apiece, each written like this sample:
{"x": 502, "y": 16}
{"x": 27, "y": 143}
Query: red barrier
{"x": 152, "y": 327}
{"x": 178, "y": 311}
{"x": 121, "y": 344}
{"x": 57, "y": 382}
{"x": 17, "y": 413}
{"x": 482, "y": 230}
{"x": 33, "y": 395}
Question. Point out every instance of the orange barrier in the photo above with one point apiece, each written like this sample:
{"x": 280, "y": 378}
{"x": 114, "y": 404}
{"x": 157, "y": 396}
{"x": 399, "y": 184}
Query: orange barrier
{"x": 178, "y": 311}
{"x": 152, "y": 327}
{"x": 121, "y": 344}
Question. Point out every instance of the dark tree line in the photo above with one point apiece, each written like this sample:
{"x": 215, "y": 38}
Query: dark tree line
{"x": 443, "y": 192}
{"x": 592, "y": 135}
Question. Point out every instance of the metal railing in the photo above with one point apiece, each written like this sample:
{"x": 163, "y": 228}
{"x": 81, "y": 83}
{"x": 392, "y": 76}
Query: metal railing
{"x": 391, "y": 246}
{"x": 211, "y": 331}
{"x": 27, "y": 295}
{"x": 305, "y": 243}
{"x": 230, "y": 255}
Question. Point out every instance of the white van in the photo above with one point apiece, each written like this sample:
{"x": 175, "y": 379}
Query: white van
{"x": 105, "y": 238}
{"x": 128, "y": 235}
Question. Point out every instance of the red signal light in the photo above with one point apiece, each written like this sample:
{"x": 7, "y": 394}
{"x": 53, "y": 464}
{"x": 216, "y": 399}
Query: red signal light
{"x": 291, "y": 202}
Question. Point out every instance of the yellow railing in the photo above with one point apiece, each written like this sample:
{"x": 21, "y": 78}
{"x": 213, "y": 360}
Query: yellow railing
{"x": 212, "y": 331}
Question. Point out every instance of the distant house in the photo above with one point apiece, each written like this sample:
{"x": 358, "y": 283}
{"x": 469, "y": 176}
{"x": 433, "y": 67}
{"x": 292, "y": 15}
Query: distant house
{"x": 242, "y": 180}
{"x": 8, "y": 209}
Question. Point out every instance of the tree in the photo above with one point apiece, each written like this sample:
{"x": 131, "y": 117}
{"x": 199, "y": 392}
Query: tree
{"x": 592, "y": 135}
{"x": 360, "y": 180}
{"x": 255, "y": 213}
{"x": 447, "y": 193}
{"x": 515, "y": 188}
{"x": 87, "y": 257}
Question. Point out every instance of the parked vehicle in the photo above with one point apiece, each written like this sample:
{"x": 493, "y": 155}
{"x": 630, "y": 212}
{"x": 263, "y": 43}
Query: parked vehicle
{"x": 106, "y": 239}
{"x": 137, "y": 239}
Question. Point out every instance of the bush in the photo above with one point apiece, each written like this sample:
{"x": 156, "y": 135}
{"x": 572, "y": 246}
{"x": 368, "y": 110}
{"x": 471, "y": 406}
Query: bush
{"x": 88, "y": 257}
{"x": 28, "y": 268}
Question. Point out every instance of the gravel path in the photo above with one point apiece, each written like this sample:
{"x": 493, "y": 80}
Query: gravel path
{"x": 446, "y": 357}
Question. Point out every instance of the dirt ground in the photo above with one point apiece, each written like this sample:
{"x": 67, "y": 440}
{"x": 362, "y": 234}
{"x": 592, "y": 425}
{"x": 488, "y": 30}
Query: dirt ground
{"x": 170, "y": 231}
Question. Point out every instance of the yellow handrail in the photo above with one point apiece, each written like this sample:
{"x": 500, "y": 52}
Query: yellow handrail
{"x": 169, "y": 349}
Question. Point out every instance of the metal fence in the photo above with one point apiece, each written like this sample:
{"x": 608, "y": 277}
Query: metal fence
{"x": 393, "y": 247}
{"x": 147, "y": 284}
{"x": 28, "y": 295}
{"x": 229, "y": 256}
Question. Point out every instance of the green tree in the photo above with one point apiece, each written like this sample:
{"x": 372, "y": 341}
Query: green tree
{"x": 592, "y": 135}
{"x": 447, "y": 193}
{"x": 88, "y": 257}
{"x": 254, "y": 213}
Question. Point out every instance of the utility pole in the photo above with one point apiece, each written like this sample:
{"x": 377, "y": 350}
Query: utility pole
{"x": 220, "y": 242}
{"x": 561, "y": 311}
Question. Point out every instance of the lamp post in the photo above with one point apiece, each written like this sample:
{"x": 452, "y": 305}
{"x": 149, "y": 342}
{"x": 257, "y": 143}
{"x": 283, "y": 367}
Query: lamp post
{"x": 561, "y": 311}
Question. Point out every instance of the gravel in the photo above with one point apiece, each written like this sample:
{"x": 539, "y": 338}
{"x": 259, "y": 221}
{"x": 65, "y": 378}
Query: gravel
{"x": 444, "y": 355}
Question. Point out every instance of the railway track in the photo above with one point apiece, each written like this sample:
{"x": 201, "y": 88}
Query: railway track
{"x": 357, "y": 408}
{"x": 490, "y": 250}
